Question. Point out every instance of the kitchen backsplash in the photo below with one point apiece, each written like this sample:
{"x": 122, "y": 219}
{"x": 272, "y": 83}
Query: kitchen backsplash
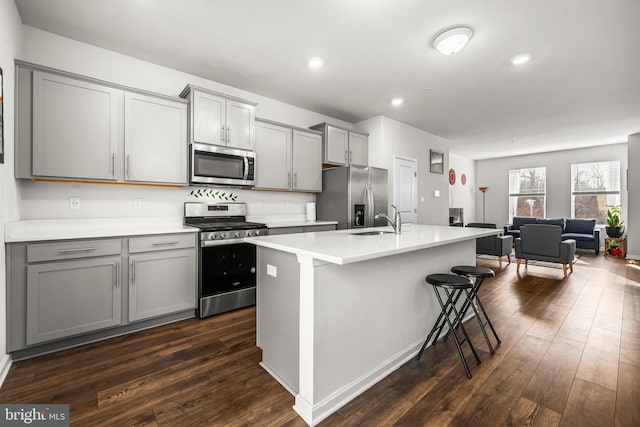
{"x": 51, "y": 200}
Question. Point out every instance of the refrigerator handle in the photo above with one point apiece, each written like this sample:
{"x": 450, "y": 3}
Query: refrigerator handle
{"x": 369, "y": 208}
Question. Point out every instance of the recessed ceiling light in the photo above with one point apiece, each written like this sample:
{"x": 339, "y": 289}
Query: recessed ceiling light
{"x": 315, "y": 63}
{"x": 521, "y": 59}
{"x": 453, "y": 40}
{"x": 397, "y": 101}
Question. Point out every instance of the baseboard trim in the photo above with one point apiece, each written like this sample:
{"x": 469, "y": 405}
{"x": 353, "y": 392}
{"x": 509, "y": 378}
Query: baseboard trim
{"x": 277, "y": 377}
{"x": 5, "y": 365}
{"x": 632, "y": 256}
{"x": 314, "y": 414}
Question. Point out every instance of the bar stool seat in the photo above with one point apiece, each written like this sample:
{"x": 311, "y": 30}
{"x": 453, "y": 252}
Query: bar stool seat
{"x": 478, "y": 274}
{"x": 453, "y": 286}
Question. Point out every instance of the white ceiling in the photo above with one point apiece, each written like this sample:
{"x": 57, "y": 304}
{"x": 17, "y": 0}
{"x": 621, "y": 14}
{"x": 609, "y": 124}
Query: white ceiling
{"x": 581, "y": 87}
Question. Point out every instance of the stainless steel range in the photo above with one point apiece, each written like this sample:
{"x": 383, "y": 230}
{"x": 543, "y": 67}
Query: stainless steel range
{"x": 227, "y": 265}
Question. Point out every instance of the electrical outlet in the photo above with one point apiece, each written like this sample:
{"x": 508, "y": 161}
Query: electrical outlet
{"x": 137, "y": 203}
{"x": 272, "y": 270}
{"x": 74, "y": 203}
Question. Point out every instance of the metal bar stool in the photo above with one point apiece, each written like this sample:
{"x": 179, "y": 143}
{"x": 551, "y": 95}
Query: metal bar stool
{"x": 478, "y": 274}
{"x": 453, "y": 286}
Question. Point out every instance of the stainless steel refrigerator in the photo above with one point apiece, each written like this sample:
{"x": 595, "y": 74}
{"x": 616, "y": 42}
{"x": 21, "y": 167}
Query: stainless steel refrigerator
{"x": 353, "y": 195}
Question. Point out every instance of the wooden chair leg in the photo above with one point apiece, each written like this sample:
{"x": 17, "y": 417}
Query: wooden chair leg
{"x": 499, "y": 262}
{"x": 518, "y": 265}
{"x": 509, "y": 258}
{"x": 564, "y": 269}
{"x": 571, "y": 266}
{"x": 526, "y": 262}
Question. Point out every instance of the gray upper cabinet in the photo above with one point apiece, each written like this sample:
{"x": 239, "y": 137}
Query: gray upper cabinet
{"x": 78, "y": 128}
{"x": 208, "y": 113}
{"x": 273, "y": 156}
{"x": 358, "y": 149}
{"x": 288, "y": 158}
{"x": 343, "y": 146}
{"x": 72, "y": 297}
{"x": 75, "y": 128}
{"x": 307, "y": 161}
{"x": 220, "y": 119}
{"x": 155, "y": 135}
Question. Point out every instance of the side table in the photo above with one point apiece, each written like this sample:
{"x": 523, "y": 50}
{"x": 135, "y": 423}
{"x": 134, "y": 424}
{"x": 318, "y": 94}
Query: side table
{"x": 615, "y": 246}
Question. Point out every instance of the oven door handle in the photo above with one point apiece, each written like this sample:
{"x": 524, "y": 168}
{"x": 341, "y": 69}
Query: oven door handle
{"x": 221, "y": 242}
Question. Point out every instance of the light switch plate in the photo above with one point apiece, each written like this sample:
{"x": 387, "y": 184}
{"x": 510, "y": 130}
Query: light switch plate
{"x": 272, "y": 270}
{"x": 436, "y": 193}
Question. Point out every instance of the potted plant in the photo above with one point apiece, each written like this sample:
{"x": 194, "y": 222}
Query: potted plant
{"x": 615, "y": 227}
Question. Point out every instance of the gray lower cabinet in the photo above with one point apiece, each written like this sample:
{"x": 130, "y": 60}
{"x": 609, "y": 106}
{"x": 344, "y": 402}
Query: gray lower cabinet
{"x": 161, "y": 282}
{"x": 68, "y": 292}
{"x": 72, "y": 297}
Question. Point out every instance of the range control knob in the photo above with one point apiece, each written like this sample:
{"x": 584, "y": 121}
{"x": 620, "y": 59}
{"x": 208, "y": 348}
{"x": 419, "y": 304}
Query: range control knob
{"x": 212, "y": 236}
{"x": 237, "y": 234}
{"x": 223, "y": 235}
{"x": 250, "y": 233}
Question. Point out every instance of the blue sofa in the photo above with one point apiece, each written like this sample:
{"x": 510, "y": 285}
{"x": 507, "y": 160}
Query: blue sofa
{"x": 583, "y": 231}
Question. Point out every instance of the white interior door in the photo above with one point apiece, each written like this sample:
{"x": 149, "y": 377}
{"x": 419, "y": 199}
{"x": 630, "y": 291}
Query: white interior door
{"x": 405, "y": 188}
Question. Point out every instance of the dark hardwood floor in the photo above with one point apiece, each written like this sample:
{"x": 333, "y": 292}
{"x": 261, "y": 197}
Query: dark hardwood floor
{"x": 570, "y": 356}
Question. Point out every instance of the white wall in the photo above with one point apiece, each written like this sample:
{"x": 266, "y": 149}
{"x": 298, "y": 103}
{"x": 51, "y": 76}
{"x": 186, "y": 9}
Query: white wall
{"x": 390, "y": 137}
{"x": 51, "y": 200}
{"x": 463, "y": 196}
{"x": 494, "y": 173}
{"x": 633, "y": 206}
{"x": 10, "y": 34}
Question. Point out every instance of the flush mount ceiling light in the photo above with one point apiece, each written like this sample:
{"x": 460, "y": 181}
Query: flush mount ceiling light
{"x": 521, "y": 59}
{"x": 453, "y": 40}
{"x": 397, "y": 101}
{"x": 315, "y": 63}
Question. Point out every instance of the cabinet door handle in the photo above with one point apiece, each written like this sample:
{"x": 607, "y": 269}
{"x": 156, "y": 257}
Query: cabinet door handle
{"x": 295, "y": 179}
{"x": 289, "y": 179}
{"x": 350, "y": 153}
{"x": 70, "y": 251}
{"x": 165, "y": 243}
{"x": 133, "y": 272}
{"x": 228, "y": 134}
{"x": 346, "y": 159}
{"x": 222, "y": 134}
{"x": 117, "y": 275}
{"x": 113, "y": 164}
{"x": 128, "y": 168}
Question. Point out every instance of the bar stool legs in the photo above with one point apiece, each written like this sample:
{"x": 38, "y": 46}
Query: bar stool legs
{"x": 478, "y": 274}
{"x": 453, "y": 287}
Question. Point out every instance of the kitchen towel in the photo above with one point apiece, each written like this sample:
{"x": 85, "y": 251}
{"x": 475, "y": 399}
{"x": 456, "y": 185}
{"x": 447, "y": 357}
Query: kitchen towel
{"x": 311, "y": 211}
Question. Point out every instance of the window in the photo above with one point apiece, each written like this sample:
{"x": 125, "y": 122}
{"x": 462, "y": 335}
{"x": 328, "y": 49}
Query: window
{"x": 594, "y": 187}
{"x": 527, "y": 189}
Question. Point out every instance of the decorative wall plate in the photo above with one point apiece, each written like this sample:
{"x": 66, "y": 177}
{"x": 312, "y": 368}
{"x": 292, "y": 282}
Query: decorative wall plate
{"x": 452, "y": 176}
{"x": 463, "y": 179}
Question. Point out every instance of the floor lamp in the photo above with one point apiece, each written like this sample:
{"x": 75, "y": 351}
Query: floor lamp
{"x": 484, "y": 190}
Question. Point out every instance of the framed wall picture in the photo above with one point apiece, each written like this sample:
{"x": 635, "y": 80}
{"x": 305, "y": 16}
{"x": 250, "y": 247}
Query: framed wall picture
{"x": 436, "y": 161}
{"x": 1, "y": 120}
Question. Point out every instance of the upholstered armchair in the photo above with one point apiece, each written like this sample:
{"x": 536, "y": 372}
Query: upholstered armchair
{"x": 493, "y": 245}
{"x": 544, "y": 242}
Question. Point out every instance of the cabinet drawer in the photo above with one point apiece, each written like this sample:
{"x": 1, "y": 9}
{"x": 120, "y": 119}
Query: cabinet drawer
{"x": 162, "y": 243}
{"x": 37, "y": 252}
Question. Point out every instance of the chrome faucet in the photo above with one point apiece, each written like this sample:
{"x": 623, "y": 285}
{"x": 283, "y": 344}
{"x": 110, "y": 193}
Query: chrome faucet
{"x": 396, "y": 223}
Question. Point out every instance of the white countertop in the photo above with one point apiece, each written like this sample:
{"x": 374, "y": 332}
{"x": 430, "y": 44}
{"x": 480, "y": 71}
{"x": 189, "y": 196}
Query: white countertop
{"x": 62, "y": 229}
{"x": 342, "y": 247}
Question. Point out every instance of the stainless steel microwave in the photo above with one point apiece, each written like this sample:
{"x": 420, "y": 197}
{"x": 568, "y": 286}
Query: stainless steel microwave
{"x": 214, "y": 165}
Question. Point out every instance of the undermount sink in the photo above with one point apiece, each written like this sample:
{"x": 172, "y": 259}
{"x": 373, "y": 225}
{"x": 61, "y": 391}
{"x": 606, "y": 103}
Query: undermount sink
{"x": 371, "y": 233}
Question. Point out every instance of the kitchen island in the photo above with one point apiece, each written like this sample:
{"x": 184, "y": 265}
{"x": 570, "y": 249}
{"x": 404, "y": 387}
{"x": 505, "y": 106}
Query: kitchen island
{"x": 337, "y": 311}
